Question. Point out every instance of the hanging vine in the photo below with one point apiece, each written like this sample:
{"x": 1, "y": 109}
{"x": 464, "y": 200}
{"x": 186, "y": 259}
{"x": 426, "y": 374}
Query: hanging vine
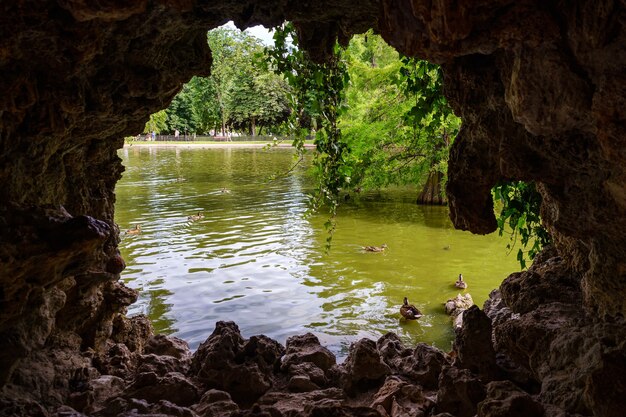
{"x": 317, "y": 99}
{"x": 521, "y": 203}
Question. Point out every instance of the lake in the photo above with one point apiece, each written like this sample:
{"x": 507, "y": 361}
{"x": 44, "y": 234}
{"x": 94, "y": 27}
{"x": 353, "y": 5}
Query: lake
{"x": 255, "y": 257}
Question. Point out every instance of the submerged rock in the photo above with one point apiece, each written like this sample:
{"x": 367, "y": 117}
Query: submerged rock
{"x": 456, "y": 306}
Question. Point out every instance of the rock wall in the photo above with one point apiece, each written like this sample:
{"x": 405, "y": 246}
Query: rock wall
{"x": 540, "y": 86}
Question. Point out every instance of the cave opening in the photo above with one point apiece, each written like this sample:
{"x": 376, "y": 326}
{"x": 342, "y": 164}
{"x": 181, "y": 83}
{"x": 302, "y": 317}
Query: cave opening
{"x": 195, "y": 262}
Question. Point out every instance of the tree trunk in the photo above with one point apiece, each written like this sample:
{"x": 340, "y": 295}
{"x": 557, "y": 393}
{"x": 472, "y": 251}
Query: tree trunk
{"x": 253, "y": 127}
{"x": 432, "y": 193}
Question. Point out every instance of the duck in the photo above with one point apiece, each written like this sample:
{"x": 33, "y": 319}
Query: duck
{"x": 409, "y": 311}
{"x": 195, "y": 217}
{"x": 460, "y": 283}
{"x": 135, "y": 230}
{"x": 380, "y": 248}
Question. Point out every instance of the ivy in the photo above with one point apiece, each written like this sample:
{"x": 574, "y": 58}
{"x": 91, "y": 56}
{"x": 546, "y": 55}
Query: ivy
{"x": 317, "y": 101}
{"x": 521, "y": 203}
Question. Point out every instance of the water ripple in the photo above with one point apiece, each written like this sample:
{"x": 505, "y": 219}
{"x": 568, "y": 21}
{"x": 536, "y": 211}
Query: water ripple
{"x": 255, "y": 259}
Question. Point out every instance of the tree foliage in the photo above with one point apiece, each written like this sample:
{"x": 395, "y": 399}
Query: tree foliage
{"x": 180, "y": 114}
{"x": 399, "y": 126}
{"x": 240, "y": 94}
{"x": 157, "y": 122}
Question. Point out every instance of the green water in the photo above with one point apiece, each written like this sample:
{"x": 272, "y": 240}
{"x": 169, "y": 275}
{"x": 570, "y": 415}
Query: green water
{"x": 257, "y": 260}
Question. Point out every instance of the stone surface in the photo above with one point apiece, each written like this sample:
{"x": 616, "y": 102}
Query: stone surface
{"x": 540, "y": 87}
{"x": 170, "y": 346}
{"x": 364, "y": 367}
{"x": 547, "y": 280}
{"x": 215, "y": 403}
{"x": 423, "y": 364}
{"x": 307, "y": 349}
{"x": 564, "y": 349}
{"x": 172, "y": 387}
{"x": 398, "y": 397}
{"x": 242, "y": 368}
{"x": 291, "y": 404}
{"x": 504, "y": 399}
{"x": 459, "y": 392}
{"x": 473, "y": 345}
{"x": 309, "y": 371}
{"x": 456, "y": 306}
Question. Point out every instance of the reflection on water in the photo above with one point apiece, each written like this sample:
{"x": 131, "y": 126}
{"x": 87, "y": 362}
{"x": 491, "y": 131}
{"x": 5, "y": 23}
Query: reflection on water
{"x": 257, "y": 260}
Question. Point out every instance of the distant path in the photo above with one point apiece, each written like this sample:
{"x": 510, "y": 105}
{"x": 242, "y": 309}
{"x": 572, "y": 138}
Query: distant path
{"x": 210, "y": 145}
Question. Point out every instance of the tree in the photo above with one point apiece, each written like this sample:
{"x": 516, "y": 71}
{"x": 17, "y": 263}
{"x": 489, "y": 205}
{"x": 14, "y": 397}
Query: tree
{"x": 222, "y": 42}
{"x": 180, "y": 113}
{"x": 157, "y": 122}
{"x": 274, "y": 103}
{"x": 240, "y": 92}
{"x": 399, "y": 126}
{"x": 205, "y": 105}
{"x": 235, "y": 68}
{"x": 431, "y": 115}
{"x": 257, "y": 99}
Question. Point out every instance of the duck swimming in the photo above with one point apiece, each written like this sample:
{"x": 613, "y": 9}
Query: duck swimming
{"x": 195, "y": 217}
{"x": 380, "y": 248}
{"x": 460, "y": 283}
{"x": 409, "y": 311}
{"x": 135, "y": 230}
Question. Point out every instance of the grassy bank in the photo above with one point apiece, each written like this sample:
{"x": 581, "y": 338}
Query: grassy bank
{"x": 210, "y": 143}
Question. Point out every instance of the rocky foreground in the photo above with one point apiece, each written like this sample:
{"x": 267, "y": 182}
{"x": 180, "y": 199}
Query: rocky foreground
{"x": 531, "y": 352}
{"x": 231, "y": 376}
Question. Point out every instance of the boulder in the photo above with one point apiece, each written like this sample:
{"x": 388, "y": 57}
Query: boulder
{"x": 364, "y": 367}
{"x": 215, "y": 403}
{"x": 302, "y": 404}
{"x": 162, "y": 364}
{"x": 459, "y": 392}
{"x": 306, "y": 348}
{"x": 309, "y": 371}
{"x": 225, "y": 361}
{"x": 505, "y": 399}
{"x": 167, "y": 345}
{"x": 423, "y": 364}
{"x": 173, "y": 387}
{"x": 117, "y": 360}
{"x": 397, "y": 398}
{"x": 103, "y": 388}
{"x": 456, "y": 306}
{"x": 474, "y": 347}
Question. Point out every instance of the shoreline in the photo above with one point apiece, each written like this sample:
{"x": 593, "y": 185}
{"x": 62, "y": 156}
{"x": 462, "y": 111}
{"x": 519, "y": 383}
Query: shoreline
{"x": 214, "y": 145}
